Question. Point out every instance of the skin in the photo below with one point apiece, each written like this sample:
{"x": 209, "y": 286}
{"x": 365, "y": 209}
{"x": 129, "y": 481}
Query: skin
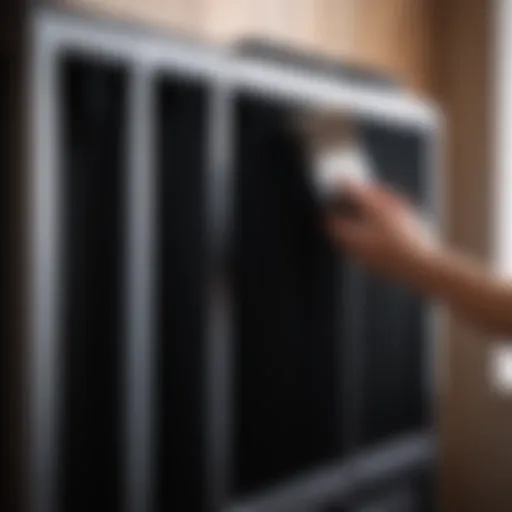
{"x": 388, "y": 238}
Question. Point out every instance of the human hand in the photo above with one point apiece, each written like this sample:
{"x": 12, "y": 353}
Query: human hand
{"x": 387, "y": 235}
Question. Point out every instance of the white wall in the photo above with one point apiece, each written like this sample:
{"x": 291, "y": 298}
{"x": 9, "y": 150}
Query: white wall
{"x": 503, "y": 105}
{"x": 501, "y": 355}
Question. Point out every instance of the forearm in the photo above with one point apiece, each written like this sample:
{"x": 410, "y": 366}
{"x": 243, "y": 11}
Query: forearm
{"x": 469, "y": 290}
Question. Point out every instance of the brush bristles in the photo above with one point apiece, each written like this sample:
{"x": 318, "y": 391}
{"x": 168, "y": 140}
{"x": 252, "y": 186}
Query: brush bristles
{"x": 333, "y": 166}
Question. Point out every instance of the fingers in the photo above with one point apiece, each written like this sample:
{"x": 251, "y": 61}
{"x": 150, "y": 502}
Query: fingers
{"x": 346, "y": 231}
{"x": 371, "y": 201}
{"x": 366, "y": 199}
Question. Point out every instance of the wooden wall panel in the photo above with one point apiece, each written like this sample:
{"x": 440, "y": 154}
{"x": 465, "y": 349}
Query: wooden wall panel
{"x": 288, "y": 21}
{"x": 335, "y": 28}
{"x": 395, "y": 36}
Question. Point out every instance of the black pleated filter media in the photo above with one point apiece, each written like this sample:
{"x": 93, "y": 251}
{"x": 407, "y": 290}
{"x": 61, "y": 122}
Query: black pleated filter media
{"x": 181, "y": 114}
{"x": 395, "y": 319}
{"x": 291, "y": 301}
{"x": 287, "y": 287}
{"x": 93, "y": 190}
{"x": 93, "y": 331}
{"x": 286, "y": 307}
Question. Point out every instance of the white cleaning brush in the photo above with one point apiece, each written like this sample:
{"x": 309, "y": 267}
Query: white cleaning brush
{"x": 334, "y": 165}
{"x": 336, "y": 156}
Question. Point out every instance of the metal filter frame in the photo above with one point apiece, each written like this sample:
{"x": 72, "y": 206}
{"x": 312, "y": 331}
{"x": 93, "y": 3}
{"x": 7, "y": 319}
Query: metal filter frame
{"x": 144, "y": 54}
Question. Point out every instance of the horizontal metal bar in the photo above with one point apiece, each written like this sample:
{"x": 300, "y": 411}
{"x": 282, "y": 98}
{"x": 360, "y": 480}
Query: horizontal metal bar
{"x": 318, "y": 488}
{"x": 110, "y": 40}
{"x": 302, "y": 86}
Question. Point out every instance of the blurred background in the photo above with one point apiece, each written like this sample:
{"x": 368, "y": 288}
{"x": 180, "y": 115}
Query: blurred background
{"x": 456, "y": 53}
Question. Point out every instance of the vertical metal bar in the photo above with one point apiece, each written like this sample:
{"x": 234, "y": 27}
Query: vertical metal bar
{"x": 44, "y": 288}
{"x": 140, "y": 333}
{"x": 219, "y": 337}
